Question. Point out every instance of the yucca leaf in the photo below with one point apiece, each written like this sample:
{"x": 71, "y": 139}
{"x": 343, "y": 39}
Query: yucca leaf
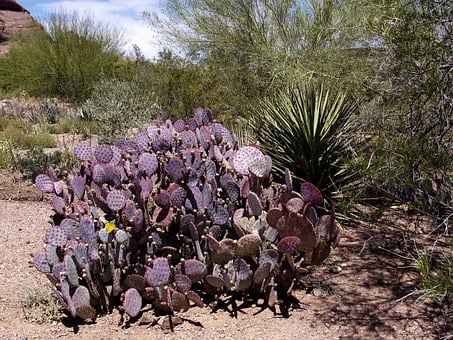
{"x": 306, "y": 129}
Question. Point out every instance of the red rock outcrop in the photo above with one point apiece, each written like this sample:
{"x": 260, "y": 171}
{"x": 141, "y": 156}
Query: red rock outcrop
{"x": 14, "y": 19}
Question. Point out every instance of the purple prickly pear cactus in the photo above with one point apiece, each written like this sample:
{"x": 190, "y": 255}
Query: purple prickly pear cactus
{"x": 175, "y": 214}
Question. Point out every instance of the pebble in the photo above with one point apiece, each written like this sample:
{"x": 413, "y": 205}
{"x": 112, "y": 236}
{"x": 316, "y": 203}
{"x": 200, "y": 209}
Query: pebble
{"x": 336, "y": 269}
{"x": 317, "y": 292}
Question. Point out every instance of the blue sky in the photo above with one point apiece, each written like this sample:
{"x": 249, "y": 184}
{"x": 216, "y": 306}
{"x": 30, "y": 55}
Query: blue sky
{"x": 124, "y": 15}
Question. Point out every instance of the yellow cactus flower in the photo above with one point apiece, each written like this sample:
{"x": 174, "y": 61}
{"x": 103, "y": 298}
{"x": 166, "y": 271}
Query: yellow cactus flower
{"x": 110, "y": 226}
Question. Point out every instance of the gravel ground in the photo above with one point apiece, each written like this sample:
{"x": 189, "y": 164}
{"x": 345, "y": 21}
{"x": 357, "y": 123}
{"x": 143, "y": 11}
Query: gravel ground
{"x": 363, "y": 301}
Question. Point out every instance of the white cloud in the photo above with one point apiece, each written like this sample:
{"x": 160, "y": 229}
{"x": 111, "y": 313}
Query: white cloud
{"x": 124, "y": 15}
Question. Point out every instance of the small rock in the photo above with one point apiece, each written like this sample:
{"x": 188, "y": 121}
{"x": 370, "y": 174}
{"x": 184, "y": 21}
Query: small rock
{"x": 317, "y": 292}
{"x": 147, "y": 319}
{"x": 164, "y": 322}
{"x": 336, "y": 269}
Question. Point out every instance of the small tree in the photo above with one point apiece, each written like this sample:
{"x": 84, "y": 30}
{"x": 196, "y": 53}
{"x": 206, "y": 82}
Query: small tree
{"x": 64, "y": 57}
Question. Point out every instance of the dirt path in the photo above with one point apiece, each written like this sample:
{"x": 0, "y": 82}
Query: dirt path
{"x": 361, "y": 301}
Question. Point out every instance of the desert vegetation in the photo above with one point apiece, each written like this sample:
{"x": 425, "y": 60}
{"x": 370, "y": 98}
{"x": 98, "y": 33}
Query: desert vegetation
{"x": 228, "y": 170}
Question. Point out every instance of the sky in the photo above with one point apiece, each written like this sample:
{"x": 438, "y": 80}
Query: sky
{"x": 125, "y": 15}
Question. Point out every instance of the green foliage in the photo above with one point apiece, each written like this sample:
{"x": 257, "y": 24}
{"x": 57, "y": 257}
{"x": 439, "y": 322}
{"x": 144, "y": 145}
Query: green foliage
{"x": 410, "y": 117}
{"x": 254, "y": 48}
{"x": 308, "y": 130}
{"x": 64, "y": 59}
{"x": 41, "y": 305}
{"x": 435, "y": 282}
{"x": 116, "y": 106}
{"x": 22, "y": 149}
{"x": 30, "y": 164}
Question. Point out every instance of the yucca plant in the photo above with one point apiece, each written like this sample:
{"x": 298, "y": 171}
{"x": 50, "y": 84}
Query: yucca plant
{"x": 307, "y": 129}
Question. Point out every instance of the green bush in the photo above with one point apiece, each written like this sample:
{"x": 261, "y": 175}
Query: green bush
{"x": 308, "y": 130}
{"x": 63, "y": 59}
{"x": 116, "y": 106}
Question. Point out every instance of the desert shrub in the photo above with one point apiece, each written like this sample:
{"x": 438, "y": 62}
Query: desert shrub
{"x": 41, "y": 305}
{"x": 116, "y": 106}
{"x": 64, "y": 57}
{"x": 32, "y": 163}
{"x": 176, "y": 215}
{"x": 307, "y": 129}
{"x": 46, "y": 112}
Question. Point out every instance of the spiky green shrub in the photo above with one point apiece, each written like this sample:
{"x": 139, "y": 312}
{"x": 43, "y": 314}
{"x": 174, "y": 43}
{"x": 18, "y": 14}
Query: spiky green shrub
{"x": 307, "y": 129}
{"x": 116, "y": 106}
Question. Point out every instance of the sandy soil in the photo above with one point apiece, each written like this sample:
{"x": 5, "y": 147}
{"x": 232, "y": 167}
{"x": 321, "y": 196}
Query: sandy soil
{"x": 356, "y": 294}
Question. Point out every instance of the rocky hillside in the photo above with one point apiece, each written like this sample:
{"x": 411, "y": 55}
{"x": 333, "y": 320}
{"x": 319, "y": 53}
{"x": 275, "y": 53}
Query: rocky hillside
{"x": 14, "y": 19}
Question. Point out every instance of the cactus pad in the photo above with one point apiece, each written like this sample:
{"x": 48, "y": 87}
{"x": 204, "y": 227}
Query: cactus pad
{"x": 132, "y": 302}
{"x": 244, "y": 157}
{"x": 311, "y": 194}
{"x": 159, "y": 274}
{"x": 81, "y": 296}
{"x": 44, "y": 183}
{"x": 175, "y": 169}
{"x": 86, "y": 229}
{"x": 162, "y": 199}
{"x": 56, "y": 236}
{"x": 148, "y": 163}
{"x": 194, "y": 269}
{"x": 83, "y": 151}
{"x": 182, "y": 283}
{"x": 135, "y": 281}
{"x": 71, "y": 271}
{"x": 40, "y": 262}
{"x": 248, "y": 245}
{"x": 58, "y": 204}
{"x": 289, "y": 244}
{"x": 103, "y": 153}
{"x": 86, "y": 312}
{"x": 116, "y": 200}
